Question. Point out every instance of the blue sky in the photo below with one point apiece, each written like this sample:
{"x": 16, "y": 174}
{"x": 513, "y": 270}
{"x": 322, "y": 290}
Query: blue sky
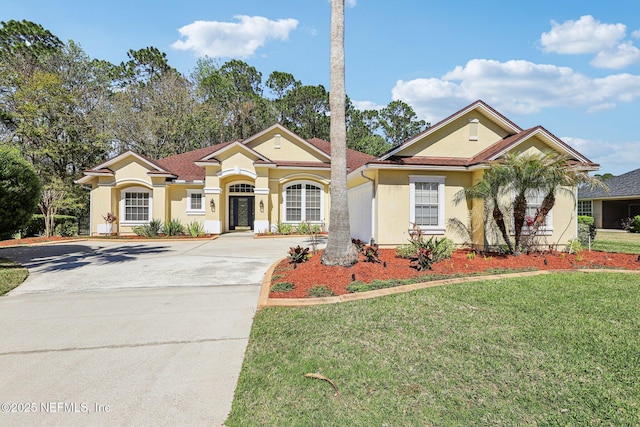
{"x": 572, "y": 66}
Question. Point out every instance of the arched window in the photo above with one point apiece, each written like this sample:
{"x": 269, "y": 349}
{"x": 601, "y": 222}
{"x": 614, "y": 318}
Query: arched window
{"x": 303, "y": 201}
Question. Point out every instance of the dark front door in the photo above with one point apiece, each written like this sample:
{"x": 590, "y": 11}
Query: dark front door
{"x": 241, "y": 212}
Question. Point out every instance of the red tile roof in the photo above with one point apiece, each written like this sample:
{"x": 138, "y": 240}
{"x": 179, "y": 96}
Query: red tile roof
{"x": 183, "y": 165}
{"x": 355, "y": 159}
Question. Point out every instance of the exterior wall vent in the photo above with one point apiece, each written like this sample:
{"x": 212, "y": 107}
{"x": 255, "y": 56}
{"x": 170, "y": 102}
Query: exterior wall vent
{"x": 473, "y": 129}
{"x": 276, "y": 141}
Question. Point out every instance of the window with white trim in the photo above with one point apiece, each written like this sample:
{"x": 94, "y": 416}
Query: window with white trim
{"x": 534, "y": 203}
{"x": 426, "y": 199}
{"x": 302, "y": 202}
{"x": 136, "y": 205}
{"x": 195, "y": 201}
{"x": 585, "y": 207}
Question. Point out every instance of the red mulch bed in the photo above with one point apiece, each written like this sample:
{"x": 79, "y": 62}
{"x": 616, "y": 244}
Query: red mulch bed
{"x": 33, "y": 240}
{"x": 312, "y": 273}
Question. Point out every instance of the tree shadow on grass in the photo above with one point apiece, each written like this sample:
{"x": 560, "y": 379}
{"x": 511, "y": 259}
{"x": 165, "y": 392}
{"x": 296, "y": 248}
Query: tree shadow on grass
{"x": 63, "y": 257}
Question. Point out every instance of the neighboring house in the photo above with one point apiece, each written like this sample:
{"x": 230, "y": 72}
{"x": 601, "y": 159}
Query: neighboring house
{"x": 276, "y": 177}
{"x": 609, "y": 206}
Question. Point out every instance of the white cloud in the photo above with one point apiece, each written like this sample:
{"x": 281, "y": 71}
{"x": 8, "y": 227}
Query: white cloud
{"x": 620, "y": 56}
{"x": 366, "y": 105}
{"x": 619, "y": 158}
{"x": 351, "y": 3}
{"x": 514, "y": 87}
{"x": 588, "y": 35}
{"x": 232, "y": 39}
{"x": 585, "y": 35}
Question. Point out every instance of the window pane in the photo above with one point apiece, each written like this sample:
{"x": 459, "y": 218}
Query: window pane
{"x": 293, "y": 211}
{"x": 312, "y": 203}
{"x": 136, "y": 206}
{"x": 426, "y": 203}
{"x": 196, "y": 201}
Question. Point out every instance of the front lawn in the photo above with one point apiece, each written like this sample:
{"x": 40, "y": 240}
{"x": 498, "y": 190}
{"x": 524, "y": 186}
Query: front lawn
{"x": 11, "y": 275}
{"x": 559, "y": 349}
{"x": 611, "y": 241}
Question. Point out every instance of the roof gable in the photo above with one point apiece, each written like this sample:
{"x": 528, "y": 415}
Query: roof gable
{"x": 498, "y": 124}
{"x": 280, "y": 144}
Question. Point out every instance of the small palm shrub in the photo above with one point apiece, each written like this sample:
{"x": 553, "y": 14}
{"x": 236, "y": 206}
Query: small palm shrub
{"x": 284, "y": 228}
{"x": 149, "y": 230}
{"x": 298, "y": 254}
{"x": 195, "y": 229}
{"x": 303, "y": 228}
{"x": 315, "y": 229}
{"x": 174, "y": 228}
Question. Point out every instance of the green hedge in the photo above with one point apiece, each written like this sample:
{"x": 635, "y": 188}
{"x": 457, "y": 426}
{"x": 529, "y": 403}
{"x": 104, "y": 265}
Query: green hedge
{"x": 586, "y": 229}
{"x": 65, "y": 225}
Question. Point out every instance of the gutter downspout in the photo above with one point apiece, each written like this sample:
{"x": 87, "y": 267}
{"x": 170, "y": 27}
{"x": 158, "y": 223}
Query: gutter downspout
{"x": 373, "y": 206}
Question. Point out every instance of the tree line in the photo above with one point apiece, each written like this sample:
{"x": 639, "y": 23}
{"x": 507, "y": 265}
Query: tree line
{"x": 66, "y": 112}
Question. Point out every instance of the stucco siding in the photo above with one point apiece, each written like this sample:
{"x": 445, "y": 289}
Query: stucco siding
{"x": 289, "y": 148}
{"x": 454, "y": 140}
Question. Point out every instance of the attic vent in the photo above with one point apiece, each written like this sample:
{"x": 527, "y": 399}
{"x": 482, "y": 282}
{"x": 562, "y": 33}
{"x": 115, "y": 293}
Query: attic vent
{"x": 473, "y": 129}
{"x": 276, "y": 140}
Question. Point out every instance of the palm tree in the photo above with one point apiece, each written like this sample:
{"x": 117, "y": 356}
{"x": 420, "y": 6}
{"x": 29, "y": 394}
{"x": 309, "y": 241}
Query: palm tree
{"x": 490, "y": 190}
{"x": 340, "y": 250}
{"x": 514, "y": 177}
{"x": 560, "y": 175}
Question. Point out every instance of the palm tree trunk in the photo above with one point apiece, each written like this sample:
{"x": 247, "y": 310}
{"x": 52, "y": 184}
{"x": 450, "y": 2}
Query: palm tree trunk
{"x": 498, "y": 217}
{"x": 519, "y": 212}
{"x": 546, "y": 206}
{"x": 340, "y": 250}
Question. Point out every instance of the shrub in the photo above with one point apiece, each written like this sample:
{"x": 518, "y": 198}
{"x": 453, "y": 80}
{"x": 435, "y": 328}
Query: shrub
{"x": 430, "y": 251}
{"x": 591, "y": 228}
{"x": 149, "y": 230}
{"x": 282, "y": 287}
{"x": 359, "y": 244}
{"x": 321, "y": 291}
{"x": 303, "y": 228}
{"x": 440, "y": 249}
{"x": 284, "y": 228}
{"x": 173, "y": 228}
{"x": 370, "y": 253}
{"x": 66, "y": 226}
{"x": 195, "y": 229}
{"x": 406, "y": 251}
{"x": 19, "y": 191}
{"x": 315, "y": 229}
{"x": 298, "y": 254}
{"x": 574, "y": 245}
{"x": 636, "y": 224}
{"x": 422, "y": 259}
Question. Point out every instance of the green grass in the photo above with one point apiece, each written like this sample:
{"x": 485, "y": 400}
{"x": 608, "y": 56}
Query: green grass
{"x": 558, "y": 349}
{"x": 11, "y": 275}
{"x": 617, "y": 242}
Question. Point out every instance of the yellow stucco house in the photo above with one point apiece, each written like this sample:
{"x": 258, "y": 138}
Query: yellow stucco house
{"x": 276, "y": 177}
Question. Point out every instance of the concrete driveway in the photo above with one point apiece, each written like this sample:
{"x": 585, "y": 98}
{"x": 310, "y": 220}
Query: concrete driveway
{"x": 113, "y": 333}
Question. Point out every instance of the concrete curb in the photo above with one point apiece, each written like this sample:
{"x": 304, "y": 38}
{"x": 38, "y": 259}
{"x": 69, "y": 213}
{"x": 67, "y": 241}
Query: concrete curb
{"x": 265, "y": 301}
